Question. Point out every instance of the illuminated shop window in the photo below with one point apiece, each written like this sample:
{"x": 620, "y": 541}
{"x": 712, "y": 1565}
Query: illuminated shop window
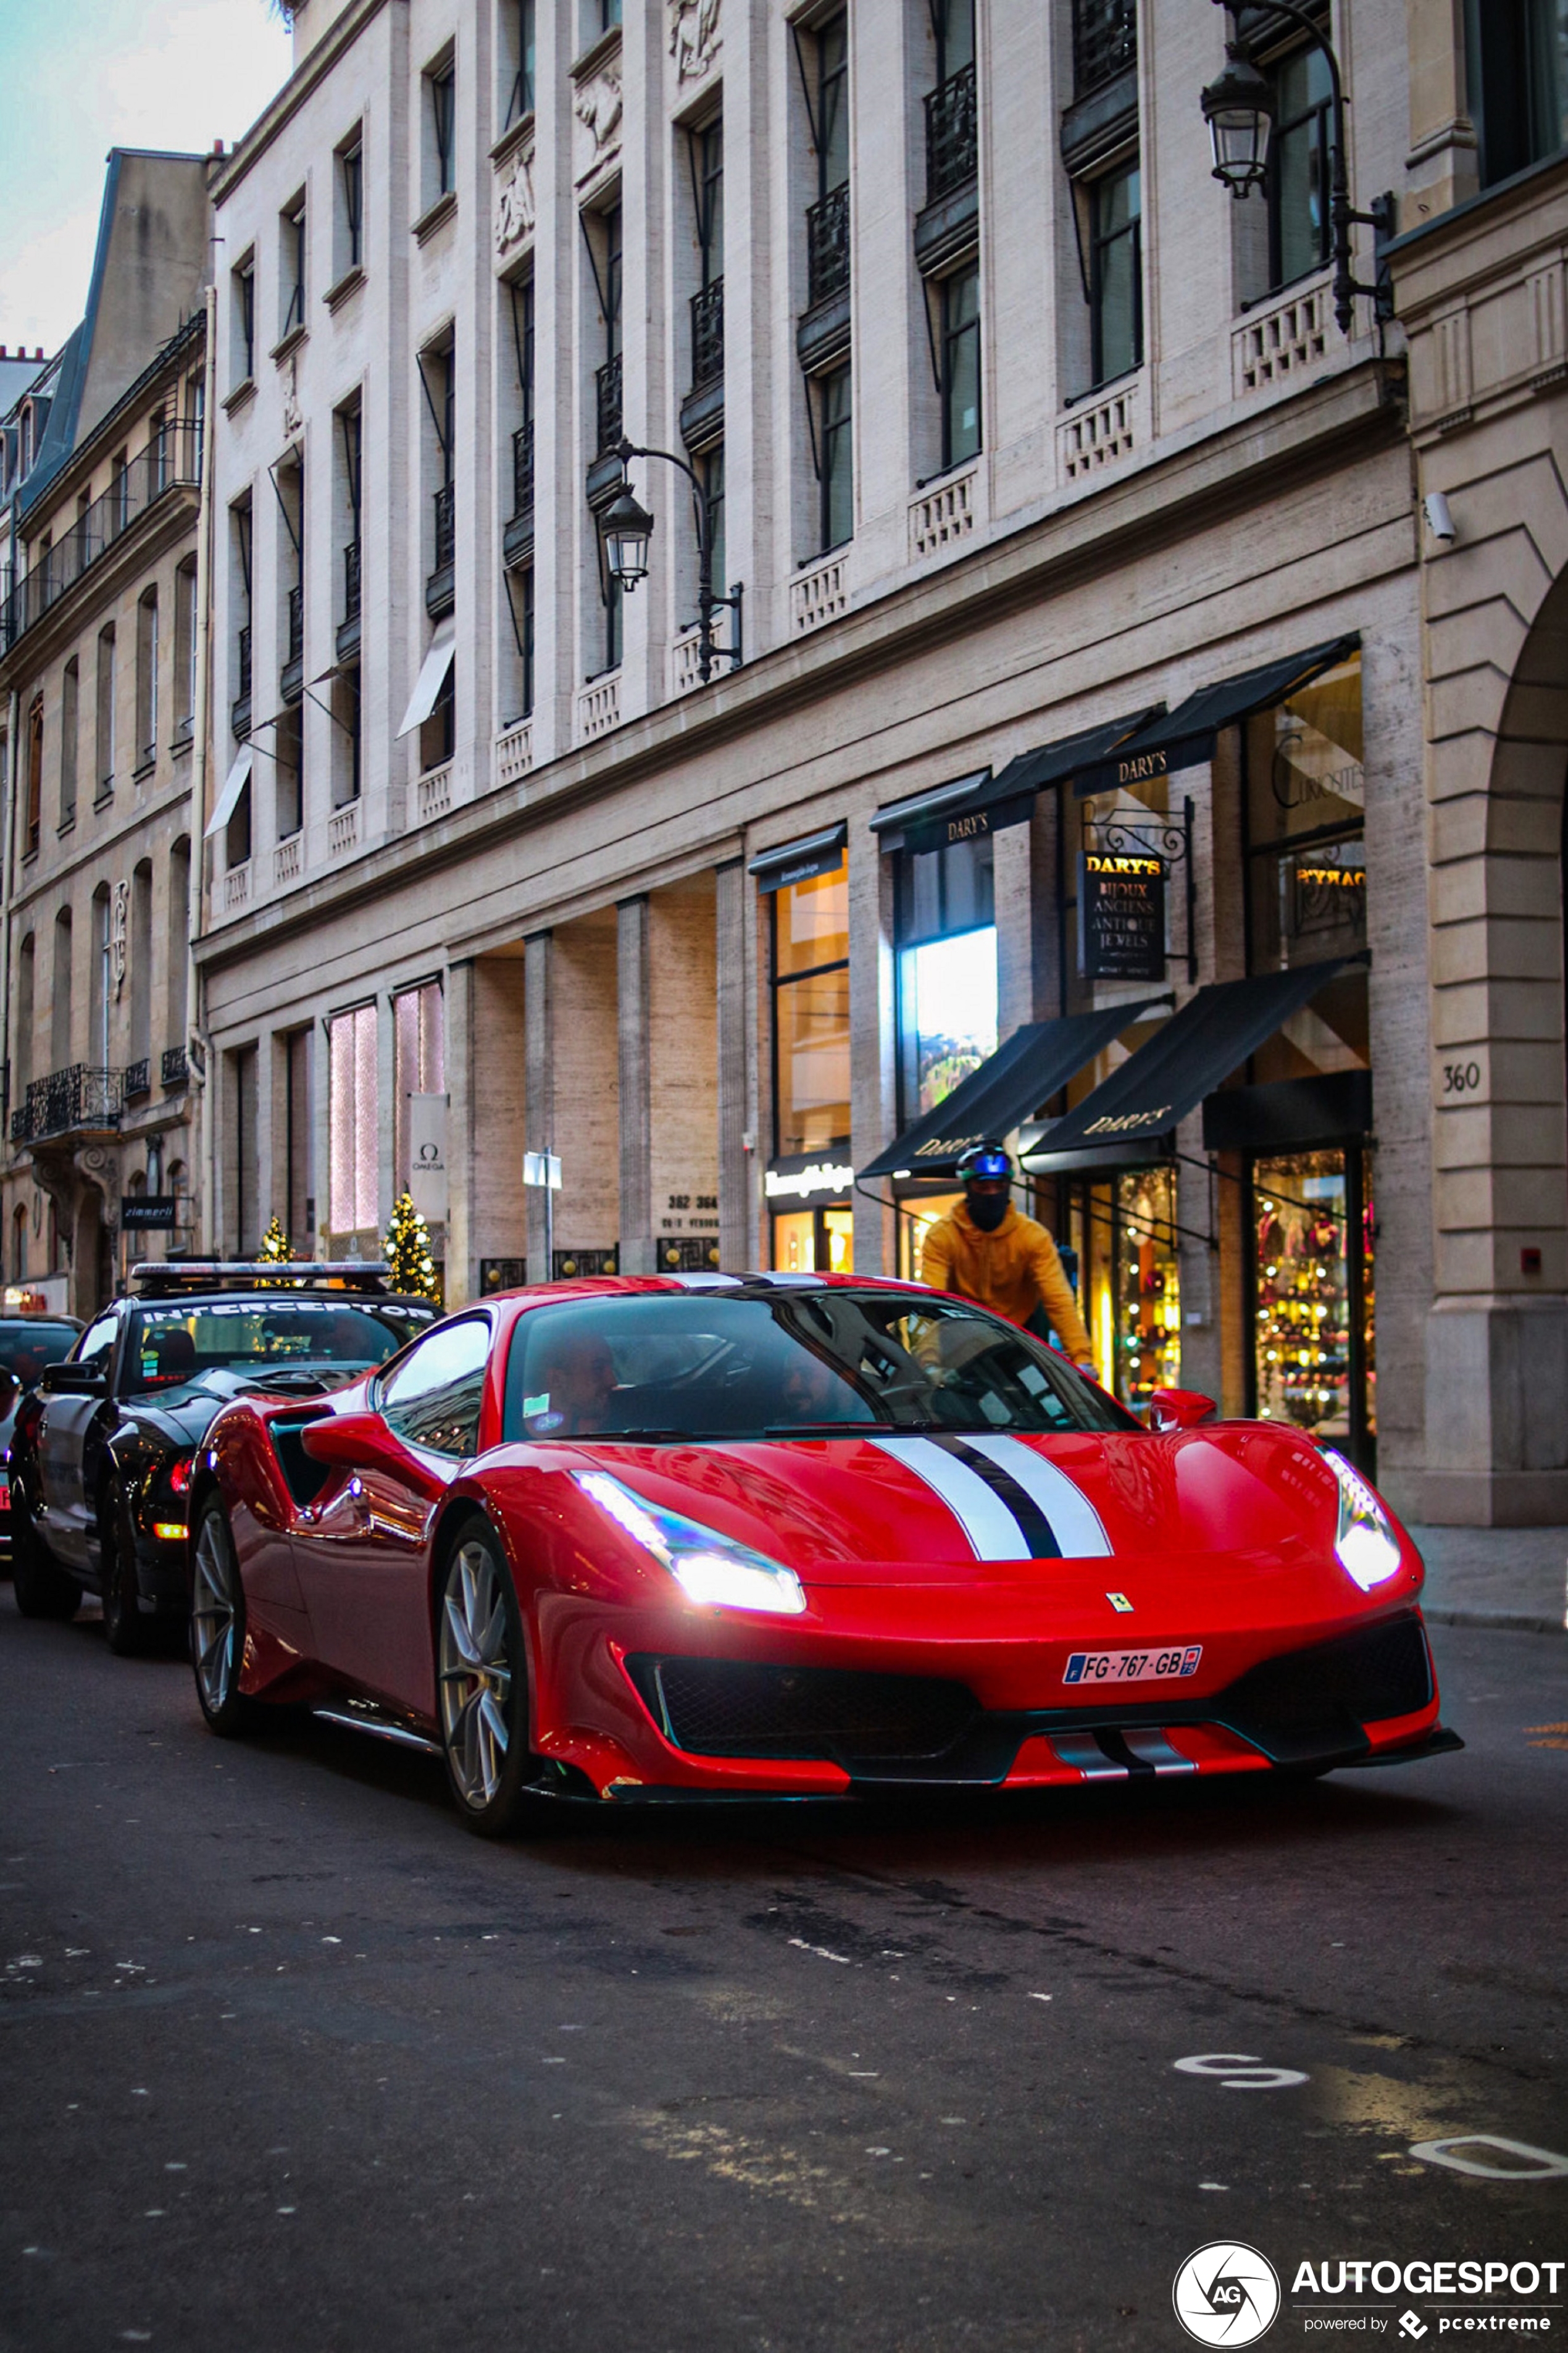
{"x": 1312, "y": 1231}
{"x": 354, "y": 1120}
{"x": 947, "y": 971}
{"x": 810, "y": 1013}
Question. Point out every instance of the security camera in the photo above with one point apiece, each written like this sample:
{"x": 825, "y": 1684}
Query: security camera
{"x": 1439, "y": 521}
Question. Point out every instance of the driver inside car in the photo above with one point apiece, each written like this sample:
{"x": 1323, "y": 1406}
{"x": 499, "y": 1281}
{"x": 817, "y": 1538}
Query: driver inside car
{"x": 575, "y": 1377}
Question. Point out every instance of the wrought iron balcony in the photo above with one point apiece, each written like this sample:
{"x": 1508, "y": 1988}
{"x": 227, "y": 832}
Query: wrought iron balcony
{"x": 609, "y": 386}
{"x": 139, "y": 1077}
{"x": 445, "y": 524}
{"x": 951, "y": 143}
{"x": 708, "y": 334}
{"x": 173, "y": 458}
{"x": 522, "y": 470}
{"x": 76, "y": 1101}
{"x": 175, "y": 1071}
{"x": 297, "y": 623}
{"x": 350, "y": 581}
{"x": 1104, "y": 41}
{"x": 827, "y": 246}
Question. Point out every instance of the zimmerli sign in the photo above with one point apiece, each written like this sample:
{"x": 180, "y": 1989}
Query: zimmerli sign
{"x": 1121, "y": 915}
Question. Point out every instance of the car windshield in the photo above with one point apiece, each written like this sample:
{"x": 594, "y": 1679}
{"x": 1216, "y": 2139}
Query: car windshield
{"x": 179, "y": 1343}
{"x": 26, "y": 1348}
{"x": 782, "y": 1364}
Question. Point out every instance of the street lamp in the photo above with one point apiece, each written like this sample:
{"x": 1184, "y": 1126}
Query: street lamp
{"x": 1239, "y": 110}
{"x": 626, "y": 529}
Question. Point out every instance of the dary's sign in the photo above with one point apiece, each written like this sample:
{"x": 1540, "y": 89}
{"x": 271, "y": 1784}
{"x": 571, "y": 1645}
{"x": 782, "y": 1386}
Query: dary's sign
{"x": 1121, "y": 915}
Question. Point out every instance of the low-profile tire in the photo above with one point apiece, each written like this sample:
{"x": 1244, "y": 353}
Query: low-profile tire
{"x": 126, "y": 1629}
{"x": 218, "y": 1624}
{"x": 481, "y": 1668}
{"x": 41, "y": 1586}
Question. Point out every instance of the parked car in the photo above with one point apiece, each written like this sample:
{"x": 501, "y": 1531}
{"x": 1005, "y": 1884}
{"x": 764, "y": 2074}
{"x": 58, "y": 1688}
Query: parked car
{"x": 103, "y": 1451}
{"x": 787, "y": 1535}
{"x": 29, "y": 1340}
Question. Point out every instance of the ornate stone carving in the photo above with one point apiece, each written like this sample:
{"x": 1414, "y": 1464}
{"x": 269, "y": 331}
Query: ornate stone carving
{"x": 515, "y": 208}
{"x": 119, "y": 929}
{"x": 597, "y": 107}
{"x": 293, "y": 414}
{"x": 694, "y": 37}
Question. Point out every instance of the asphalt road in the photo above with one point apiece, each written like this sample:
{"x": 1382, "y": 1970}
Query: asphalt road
{"x": 289, "y": 2061}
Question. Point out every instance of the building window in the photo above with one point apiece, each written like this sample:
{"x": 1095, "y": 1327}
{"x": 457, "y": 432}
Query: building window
{"x": 186, "y": 650}
{"x": 419, "y": 1062}
{"x": 289, "y": 741}
{"x": 61, "y": 1010}
{"x": 946, "y": 934}
{"x": 147, "y": 680}
{"x": 437, "y": 734}
{"x": 1518, "y": 74}
{"x": 70, "y": 698}
{"x": 836, "y": 460}
{"x": 603, "y": 231}
{"x": 1116, "y": 272}
{"x": 810, "y": 1013}
{"x": 104, "y": 782}
{"x": 519, "y": 19}
{"x": 243, "y": 318}
{"x": 179, "y": 943}
{"x": 101, "y": 991}
{"x": 441, "y": 112}
{"x": 828, "y": 220}
{"x": 291, "y": 267}
{"x": 141, "y": 961}
{"x": 710, "y": 473}
{"x": 26, "y": 1007}
{"x": 959, "y": 349}
{"x": 1305, "y": 812}
{"x": 708, "y": 173}
{"x": 519, "y": 596}
{"x": 520, "y": 301}
{"x": 1299, "y": 228}
{"x": 347, "y": 738}
{"x": 350, "y": 204}
{"x": 609, "y": 13}
{"x": 35, "y": 775}
{"x": 350, "y": 475}
{"x": 353, "y": 1121}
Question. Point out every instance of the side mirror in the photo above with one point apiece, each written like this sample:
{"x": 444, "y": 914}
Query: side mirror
{"x": 73, "y": 1381}
{"x": 1180, "y": 1410}
{"x": 362, "y": 1442}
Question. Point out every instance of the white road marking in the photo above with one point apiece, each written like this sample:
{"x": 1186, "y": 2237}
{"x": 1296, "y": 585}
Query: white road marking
{"x": 1238, "y": 2073}
{"x": 1540, "y": 2164}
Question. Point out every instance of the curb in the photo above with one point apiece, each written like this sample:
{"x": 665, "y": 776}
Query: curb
{"x": 1508, "y": 1621}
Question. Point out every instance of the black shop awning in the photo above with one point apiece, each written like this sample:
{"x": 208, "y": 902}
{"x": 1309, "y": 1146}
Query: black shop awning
{"x": 801, "y": 860}
{"x": 1008, "y": 1087}
{"x": 1188, "y": 1057}
{"x": 1185, "y": 736}
{"x": 986, "y": 804}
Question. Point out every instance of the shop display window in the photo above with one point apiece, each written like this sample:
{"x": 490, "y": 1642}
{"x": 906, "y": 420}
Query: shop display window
{"x": 813, "y": 1241}
{"x": 1147, "y": 1287}
{"x": 916, "y": 1219}
{"x": 810, "y": 1013}
{"x": 1313, "y": 1235}
{"x": 946, "y": 924}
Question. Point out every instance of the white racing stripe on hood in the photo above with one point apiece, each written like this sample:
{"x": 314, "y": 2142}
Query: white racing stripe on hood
{"x": 1076, "y": 1525}
{"x": 990, "y": 1528}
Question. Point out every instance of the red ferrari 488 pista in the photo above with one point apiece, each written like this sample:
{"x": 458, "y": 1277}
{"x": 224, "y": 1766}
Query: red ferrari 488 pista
{"x": 779, "y": 1535}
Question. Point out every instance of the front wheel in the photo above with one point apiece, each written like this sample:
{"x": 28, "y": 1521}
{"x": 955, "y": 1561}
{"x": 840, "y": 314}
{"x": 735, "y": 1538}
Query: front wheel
{"x": 218, "y": 1624}
{"x": 41, "y": 1586}
{"x": 125, "y": 1629}
{"x": 482, "y": 1670}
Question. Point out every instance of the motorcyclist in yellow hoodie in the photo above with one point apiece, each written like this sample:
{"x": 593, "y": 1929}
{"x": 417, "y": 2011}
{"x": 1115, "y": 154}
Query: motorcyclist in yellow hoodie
{"x": 985, "y": 1251}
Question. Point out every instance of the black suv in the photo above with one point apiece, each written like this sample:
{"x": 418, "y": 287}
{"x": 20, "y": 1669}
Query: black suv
{"x": 101, "y": 1455}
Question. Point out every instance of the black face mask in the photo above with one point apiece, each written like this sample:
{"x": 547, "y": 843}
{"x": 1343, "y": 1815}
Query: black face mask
{"x": 987, "y": 1209}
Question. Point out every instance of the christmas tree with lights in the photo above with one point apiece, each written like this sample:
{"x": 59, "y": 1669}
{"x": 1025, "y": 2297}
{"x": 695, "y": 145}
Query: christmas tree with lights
{"x": 409, "y": 1265}
{"x": 276, "y": 1248}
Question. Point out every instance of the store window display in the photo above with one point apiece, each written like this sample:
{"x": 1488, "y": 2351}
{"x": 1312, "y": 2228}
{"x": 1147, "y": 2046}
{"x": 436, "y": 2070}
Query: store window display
{"x": 810, "y": 1013}
{"x": 946, "y": 927}
{"x": 1313, "y": 1237}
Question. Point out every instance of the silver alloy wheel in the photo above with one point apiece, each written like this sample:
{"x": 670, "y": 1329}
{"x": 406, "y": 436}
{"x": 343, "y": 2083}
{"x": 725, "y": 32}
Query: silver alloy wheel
{"x": 476, "y": 1673}
{"x": 214, "y": 1614}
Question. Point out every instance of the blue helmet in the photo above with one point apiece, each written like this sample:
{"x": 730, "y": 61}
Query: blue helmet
{"x": 986, "y": 1161}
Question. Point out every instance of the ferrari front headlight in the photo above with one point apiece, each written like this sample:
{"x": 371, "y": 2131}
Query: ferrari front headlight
{"x": 1366, "y": 1543}
{"x": 709, "y": 1569}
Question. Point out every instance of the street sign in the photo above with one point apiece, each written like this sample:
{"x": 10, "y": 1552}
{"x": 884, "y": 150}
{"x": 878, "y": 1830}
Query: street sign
{"x": 543, "y": 1168}
{"x": 141, "y": 1213}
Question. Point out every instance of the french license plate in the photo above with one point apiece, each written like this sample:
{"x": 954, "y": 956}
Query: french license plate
{"x": 1132, "y": 1666}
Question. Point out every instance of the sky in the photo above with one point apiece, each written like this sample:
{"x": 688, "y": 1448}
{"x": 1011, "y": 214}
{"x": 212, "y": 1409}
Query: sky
{"x": 80, "y": 77}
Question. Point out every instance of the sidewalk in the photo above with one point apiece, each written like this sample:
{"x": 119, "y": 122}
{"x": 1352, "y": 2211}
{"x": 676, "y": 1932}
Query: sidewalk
{"x": 1495, "y": 1577}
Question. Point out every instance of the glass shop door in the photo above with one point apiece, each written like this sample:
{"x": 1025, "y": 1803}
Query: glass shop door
{"x": 1314, "y": 1359}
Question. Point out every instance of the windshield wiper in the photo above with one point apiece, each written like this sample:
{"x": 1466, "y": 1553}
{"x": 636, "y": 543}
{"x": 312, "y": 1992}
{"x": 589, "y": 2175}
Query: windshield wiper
{"x": 837, "y": 1428}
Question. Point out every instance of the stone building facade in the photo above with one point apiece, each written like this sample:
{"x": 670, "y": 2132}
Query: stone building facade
{"x": 1069, "y": 528}
{"x": 100, "y": 637}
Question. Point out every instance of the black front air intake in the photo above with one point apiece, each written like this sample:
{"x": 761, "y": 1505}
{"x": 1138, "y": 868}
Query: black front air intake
{"x": 720, "y": 1708}
{"x": 1290, "y": 1705}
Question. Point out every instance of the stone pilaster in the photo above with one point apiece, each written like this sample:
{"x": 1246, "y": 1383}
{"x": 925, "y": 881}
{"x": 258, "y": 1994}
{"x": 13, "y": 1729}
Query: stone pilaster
{"x": 734, "y": 1005}
{"x": 635, "y": 1064}
{"x": 539, "y": 1085}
